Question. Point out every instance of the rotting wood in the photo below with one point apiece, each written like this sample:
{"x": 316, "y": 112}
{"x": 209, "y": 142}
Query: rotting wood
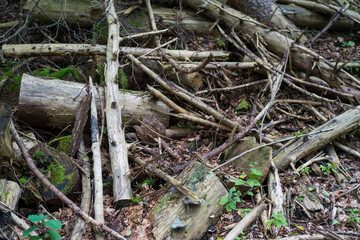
{"x": 204, "y": 184}
{"x": 337, "y": 126}
{"x": 97, "y": 169}
{"x": 113, "y": 108}
{"x": 55, "y": 103}
{"x": 80, "y": 224}
{"x": 59, "y": 194}
{"x": 32, "y": 50}
{"x": 174, "y": 182}
{"x": 6, "y": 150}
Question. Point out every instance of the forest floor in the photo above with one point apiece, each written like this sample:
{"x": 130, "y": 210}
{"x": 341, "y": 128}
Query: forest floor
{"x": 134, "y": 220}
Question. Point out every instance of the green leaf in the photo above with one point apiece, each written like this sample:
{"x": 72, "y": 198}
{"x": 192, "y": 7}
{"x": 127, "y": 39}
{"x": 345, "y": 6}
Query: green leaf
{"x": 228, "y": 207}
{"x": 128, "y": 233}
{"x": 335, "y": 222}
{"x": 54, "y": 235}
{"x": 54, "y": 224}
{"x": 36, "y": 218}
{"x": 252, "y": 183}
{"x": 311, "y": 189}
{"x": 325, "y": 193}
{"x": 351, "y": 43}
{"x": 233, "y": 205}
{"x": 236, "y": 199}
{"x": 301, "y": 198}
{"x": 256, "y": 172}
{"x": 29, "y": 230}
{"x": 239, "y": 182}
{"x": 233, "y": 189}
{"x": 254, "y": 176}
{"x": 224, "y": 200}
{"x": 250, "y": 193}
{"x": 35, "y": 238}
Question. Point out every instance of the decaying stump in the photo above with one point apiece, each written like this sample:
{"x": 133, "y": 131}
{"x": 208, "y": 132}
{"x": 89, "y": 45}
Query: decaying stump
{"x": 207, "y": 187}
{"x": 73, "y": 12}
{"x": 52, "y": 103}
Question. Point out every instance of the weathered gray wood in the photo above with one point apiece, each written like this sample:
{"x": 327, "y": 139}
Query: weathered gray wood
{"x": 338, "y": 126}
{"x": 31, "y": 50}
{"x": 50, "y": 103}
{"x": 116, "y": 135}
{"x": 206, "y": 186}
{"x": 9, "y": 193}
{"x": 73, "y": 12}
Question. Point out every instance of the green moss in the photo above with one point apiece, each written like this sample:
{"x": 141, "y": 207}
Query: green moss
{"x": 41, "y": 73}
{"x": 101, "y": 31}
{"x": 63, "y": 143}
{"x": 4, "y": 194}
{"x": 200, "y": 172}
{"x": 105, "y": 184}
{"x": 14, "y": 83}
{"x": 63, "y": 73}
{"x": 123, "y": 82}
{"x": 135, "y": 23}
{"x": 142, "y": 15}
{"x": 38, "y": 156}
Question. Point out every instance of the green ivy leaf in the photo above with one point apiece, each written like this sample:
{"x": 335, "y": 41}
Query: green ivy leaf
{"x": 224, "y": 200}
{"x": 252, "y": 183}
{"x": 54, "y": 235}
{"x": 54, "y": 224}
{"x": 36, "y": 218}
{"x": 256, "y": 172}
{"x": 325, "y": 193}
{"x": 335, "y": 222}
{"x": 228, "y": 207}
{"x": 233, "y": 205}
{"x": 301, "y": 198}
{"x": 239, "y": 182}
{"x": 250, "y": 193}
{"x": 29, "y": 230}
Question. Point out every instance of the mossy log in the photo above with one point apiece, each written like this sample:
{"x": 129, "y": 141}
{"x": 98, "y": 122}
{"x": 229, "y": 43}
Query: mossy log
{"x": 330, "y": 130}
{"x": 73, "y": 12}
{"x": 9, "y": 195}
{"x": 50, "y": 103}
{"x": 203, "y": 183}
{"x": 6, "y": 150}
{"x": 32, "y": 50}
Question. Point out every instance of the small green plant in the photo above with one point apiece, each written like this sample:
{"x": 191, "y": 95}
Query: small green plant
{"x": 244, "y": 105}
{"x": 219, "y": 42}
{"x": 136, "y": 200}
{"x": 328, "y": 168}
{"x": 278, "y": 220}
{"x": 354, "y": 215}
{"x": 45, "y": 226}
{"x": 348, "y": 44}
{"x": 301, "y": 132}
{"x": 305, "y": 170}
{"x": 242, "y": 236}
{"x": 232, "y": 198}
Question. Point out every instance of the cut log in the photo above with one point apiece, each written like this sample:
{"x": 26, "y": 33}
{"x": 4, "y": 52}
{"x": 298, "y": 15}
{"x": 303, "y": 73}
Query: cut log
{"x": 303, "y": 17}
{"x": 73, "y": 12}
{"x": 52, "y": 103}
{"x": 204, "y": 184}
{"x": 32, "y": 50}
{"x": 330, "y": 130}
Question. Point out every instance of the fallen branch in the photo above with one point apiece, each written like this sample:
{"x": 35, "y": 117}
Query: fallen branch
{"x": 56, "y": 191}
